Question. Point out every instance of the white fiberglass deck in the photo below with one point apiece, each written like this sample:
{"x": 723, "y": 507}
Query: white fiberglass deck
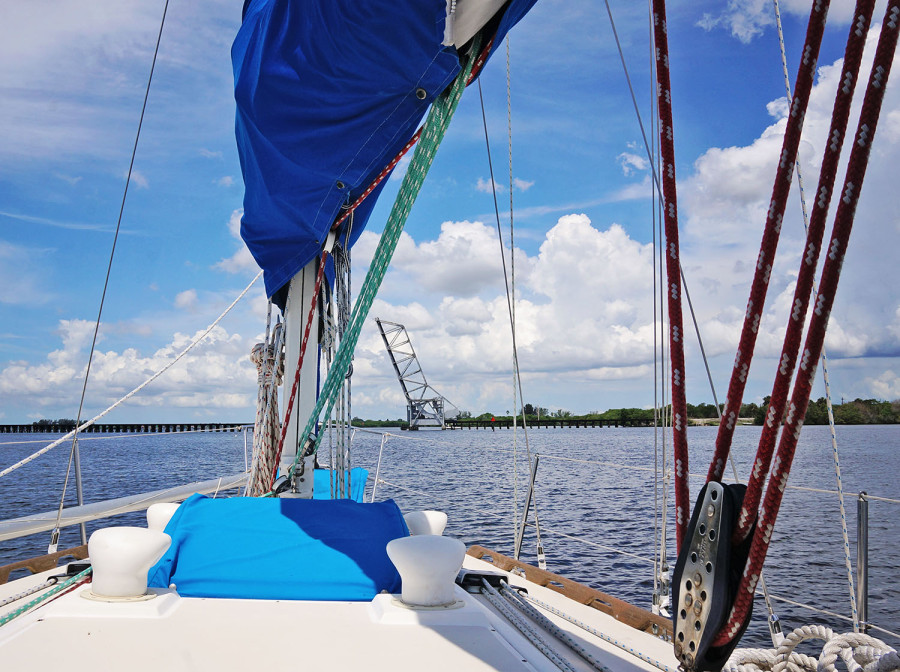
{"x": 170, "y": 632}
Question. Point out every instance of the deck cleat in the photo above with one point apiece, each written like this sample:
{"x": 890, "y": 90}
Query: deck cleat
{"x": 706, "y": 577}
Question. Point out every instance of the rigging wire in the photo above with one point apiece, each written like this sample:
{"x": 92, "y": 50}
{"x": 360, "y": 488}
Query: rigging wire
{"x": 73, "y": 454}
{"x": 512, "y": 323}
{"x": 828, "y": 404}
{"x": 512, "y": 263}
{"x": 660, "y": 571}
{"x": 140, "y": 387}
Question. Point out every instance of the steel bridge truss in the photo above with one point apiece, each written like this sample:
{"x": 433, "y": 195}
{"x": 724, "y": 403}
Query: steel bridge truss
{"x": 424, "y": 406}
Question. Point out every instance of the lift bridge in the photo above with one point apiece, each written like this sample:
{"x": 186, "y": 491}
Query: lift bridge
{"x": 424, "y": 406}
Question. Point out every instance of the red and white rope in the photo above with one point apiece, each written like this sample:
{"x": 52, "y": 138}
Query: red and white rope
{"x": 673, "y": 271}
{"x": 771, "y": 233}
{"x": 815, "y": 338}
{"x": 856, "y": 42}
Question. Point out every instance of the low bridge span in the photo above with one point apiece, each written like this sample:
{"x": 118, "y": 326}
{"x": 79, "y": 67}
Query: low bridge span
{"x": 126, "y": 428}
{"x": 507, "y": 423}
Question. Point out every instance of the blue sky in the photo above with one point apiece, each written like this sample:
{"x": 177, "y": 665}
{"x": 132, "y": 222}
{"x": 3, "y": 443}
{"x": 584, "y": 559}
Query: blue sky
{"x": 71, "y": 81}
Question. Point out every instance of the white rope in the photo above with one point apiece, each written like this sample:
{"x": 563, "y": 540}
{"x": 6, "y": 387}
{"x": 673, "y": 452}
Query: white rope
{"x": 269, "y": 360}
{"x": 31, "y": 591}
{"x": 140, "y": 387}
{"x": 859, "y": 652}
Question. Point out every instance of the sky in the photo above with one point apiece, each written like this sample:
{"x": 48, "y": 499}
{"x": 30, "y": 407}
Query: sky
{"x": 72, "y": 78}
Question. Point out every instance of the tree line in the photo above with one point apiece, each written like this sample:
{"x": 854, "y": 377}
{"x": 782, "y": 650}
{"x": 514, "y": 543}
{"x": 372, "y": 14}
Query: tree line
{"x": 856, "y": 412}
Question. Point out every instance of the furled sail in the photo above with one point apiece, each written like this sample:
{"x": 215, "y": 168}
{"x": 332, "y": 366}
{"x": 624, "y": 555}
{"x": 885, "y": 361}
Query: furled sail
{"x": 327, "y": 92}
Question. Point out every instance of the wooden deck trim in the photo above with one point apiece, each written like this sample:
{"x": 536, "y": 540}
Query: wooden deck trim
{"x": 622, "y": 611}
{"x": 44, "y": 562}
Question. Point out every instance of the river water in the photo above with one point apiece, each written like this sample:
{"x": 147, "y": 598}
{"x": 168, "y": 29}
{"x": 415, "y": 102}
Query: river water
{"x": 596, "y": 486}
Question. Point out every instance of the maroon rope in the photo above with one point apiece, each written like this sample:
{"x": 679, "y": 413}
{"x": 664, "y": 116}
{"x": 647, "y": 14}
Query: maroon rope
{"x": 769, "y": 243}
{"x": 673, "y": 271}
{"x": 296, "y": 383}
{"x": 856, "y": 42}
{"x": 812, "y": 350}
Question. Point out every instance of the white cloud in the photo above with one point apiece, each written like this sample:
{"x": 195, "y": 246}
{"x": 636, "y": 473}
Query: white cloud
{"x": 187, "y": 300}
{"x": 723, "y": 207}
{"x": 227, "y": 181}
{"x": 216, "y": 374}
{"x": 747, "y": 19}
{"x": 68, "y": 179}
{"x": 488, "y": 186}
{"x": 462, "y": 261}
{"x": 885, "y": 386}
{"x": 631, "y": 162}
{"x": 241, "y": 261}
{"x": 522, "y": 185}
{"x": 137, "y": 178}
{"x": 584, "y": 310}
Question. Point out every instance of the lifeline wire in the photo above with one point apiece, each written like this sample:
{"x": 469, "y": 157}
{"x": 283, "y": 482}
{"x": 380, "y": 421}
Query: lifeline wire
{"x": 140, "y": 387}
{"x": 74, "y": 452}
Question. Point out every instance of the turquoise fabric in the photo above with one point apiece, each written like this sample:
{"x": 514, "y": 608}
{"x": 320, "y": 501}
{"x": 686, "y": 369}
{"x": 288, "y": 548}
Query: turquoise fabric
{"x": 322, "y": 483}
{"x": 280, "y": 549}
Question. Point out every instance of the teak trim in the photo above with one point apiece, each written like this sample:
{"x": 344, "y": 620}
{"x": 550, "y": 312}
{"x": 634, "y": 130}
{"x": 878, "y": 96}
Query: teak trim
{"x": 622, "y": 611}
{"x": 44, "y": 562}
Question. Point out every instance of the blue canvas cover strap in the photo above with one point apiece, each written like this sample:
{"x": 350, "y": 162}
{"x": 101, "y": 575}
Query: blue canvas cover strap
{"x": 285, "y": 549}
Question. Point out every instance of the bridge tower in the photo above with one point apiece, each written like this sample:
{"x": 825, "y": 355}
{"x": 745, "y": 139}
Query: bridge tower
{"x": 425, "y": 407}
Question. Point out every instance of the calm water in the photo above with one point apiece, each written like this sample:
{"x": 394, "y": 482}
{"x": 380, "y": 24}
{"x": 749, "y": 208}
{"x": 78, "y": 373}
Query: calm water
{"x": 602, "y": 493}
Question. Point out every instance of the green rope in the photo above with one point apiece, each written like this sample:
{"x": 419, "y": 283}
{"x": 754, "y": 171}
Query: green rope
{"x": 59, "y": 587}
{"x": 435, "y": 127}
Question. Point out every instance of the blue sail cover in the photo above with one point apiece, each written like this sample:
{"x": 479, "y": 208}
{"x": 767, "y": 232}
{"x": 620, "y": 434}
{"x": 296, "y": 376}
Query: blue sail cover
{"x": 327, "y": 92}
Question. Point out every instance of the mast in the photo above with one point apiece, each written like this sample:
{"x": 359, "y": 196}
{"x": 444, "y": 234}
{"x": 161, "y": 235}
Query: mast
{"x": 300, "y": 297}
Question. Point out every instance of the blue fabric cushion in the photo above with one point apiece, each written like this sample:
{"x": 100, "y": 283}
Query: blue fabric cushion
{"x": 291, "y": 549}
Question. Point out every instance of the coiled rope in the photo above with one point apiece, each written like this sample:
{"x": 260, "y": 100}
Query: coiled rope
{"x": 269, "y": 360}
{"x": 859, "y": 653}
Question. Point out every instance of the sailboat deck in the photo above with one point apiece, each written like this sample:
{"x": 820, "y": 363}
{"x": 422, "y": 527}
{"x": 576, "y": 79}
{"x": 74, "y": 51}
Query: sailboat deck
{"x": 176, "y": 633}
